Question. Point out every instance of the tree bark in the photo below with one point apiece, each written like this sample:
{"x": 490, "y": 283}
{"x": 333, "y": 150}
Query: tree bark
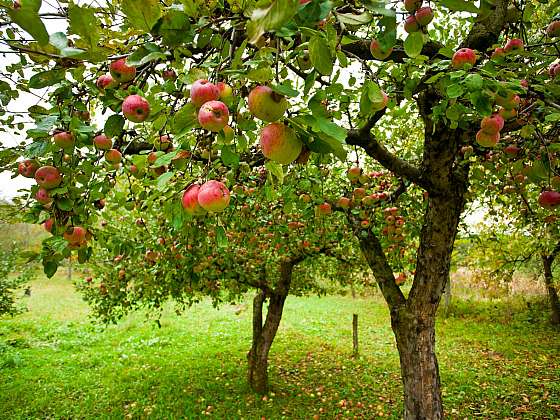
{"x": 552, "y": 293}
{"x": 355, "y": 348}
{"x": 263, "y": 335}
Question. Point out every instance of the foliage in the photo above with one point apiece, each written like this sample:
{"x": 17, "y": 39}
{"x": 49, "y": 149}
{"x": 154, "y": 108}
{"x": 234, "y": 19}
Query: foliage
{"x": 10, "y": 283}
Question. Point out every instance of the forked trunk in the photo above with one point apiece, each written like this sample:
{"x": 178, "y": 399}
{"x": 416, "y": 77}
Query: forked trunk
{"x": 263, "y": 335}
{"x": 551, "y": 290}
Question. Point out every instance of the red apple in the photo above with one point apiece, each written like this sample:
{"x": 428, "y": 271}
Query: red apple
{"x": 122, "y": 72}
{"x": 267, "y": 105}
{"x": 163, "y": 143}
{"x": 354, "y": 173}
{"x": 48, "y": 224}
{"x": 213, "y": 196}
{"x": 136, "y": 108}
{"x": 378, "y": 106}
{"x": 64, "y": 140}
{"x": 48, "y": 177}
{"x": 359, "y": 193}
{"x": 464, "y": 56}
{"x": 190, "y": 201}
{"x": 553, "y": 30}
{"x": 411, "y": 25}
{"x": 344, "y": 202}
{"x": 424, "y": 16}
{"x": 280, "y": 143}
{"x": 487, "y": 140}
{"x": 225, "y": 92}
{"x": 169, "y": 74}
{"x": 498, "y": 54}
{"x": 512, "y": 150}
{"x": 213, "y": 116}
{"x": 324, "y": 209}
{"x": 378, "y": 52}
{"x": 42, "y": 196}
{"x": 27, "y": 168}
{"x": 412, "y": 5}
{"x": 113, "y": 156}
{"x": 105, "y": 81}
{"x": 102, "y": 142}
{"x": 554, "y": 70}
{"x": 203, "y": 91}
{"x": 507, "y": 99}
{"x": 492, "y": 125}
{"x": 76, "y": 236}
{"x": 514, "y": 45}
{"x": 549, "y": 199}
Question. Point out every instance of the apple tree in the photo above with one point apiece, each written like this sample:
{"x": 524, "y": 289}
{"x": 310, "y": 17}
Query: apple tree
{"x": 191, "y": 94}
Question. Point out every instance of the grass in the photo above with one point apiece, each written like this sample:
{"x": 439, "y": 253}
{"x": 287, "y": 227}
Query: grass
{"x": 497, "y": 360}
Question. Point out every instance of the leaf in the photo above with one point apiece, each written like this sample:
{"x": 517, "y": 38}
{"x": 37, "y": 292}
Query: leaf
{"x": 163, "y": 179}
{"x": 165, "y": 159}
{"x": 229, "y": 157}
{"x": 60, "y": 41}
{"x": 27, "y": 18}
{"x": 221, "y": 237}
{"x": 114, "y": 126}
{"x": 331, "y": 129}
{"x": 460, "y": 5}
{"x": 186, "y": 118}
{"x": 413, "y": 44}
{"x": 278, "y": 13}
{"x": 320, "y": 55}
{"x": 45, "y": 78}
{"x": 143, "y": 14}
{"x": 65, "y": 204}
{"x": 175, "y": 28}
{"x": 454, "y": 90}
{"x": 50, "y": 268}
{"x": 474, "y": 82}
{"x": 326, "y": 144}
{"x": 275, "y": 169}
{"x": 285, "y": 90}
{"x": 351, "y": 19}
{"x": 261, "y": 75}
{"x": 379, "y": 7}
{"x": 84, "y": 23}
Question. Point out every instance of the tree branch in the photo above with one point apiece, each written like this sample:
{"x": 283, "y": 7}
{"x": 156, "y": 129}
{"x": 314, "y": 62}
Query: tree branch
{"x": 361, "y": 49}
{"x": 486, "y": 31}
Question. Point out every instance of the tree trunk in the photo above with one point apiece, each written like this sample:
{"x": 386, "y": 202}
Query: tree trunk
{"x": 263, "y": 335}
{"x": 355, "y": 349}
{"x": 552, "y": 294}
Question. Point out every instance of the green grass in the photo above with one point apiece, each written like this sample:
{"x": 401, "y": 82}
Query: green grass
{"x": 496, "y": 361}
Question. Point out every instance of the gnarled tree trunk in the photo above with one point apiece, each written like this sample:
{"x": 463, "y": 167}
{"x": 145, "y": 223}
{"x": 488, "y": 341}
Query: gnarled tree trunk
{"x": 551, "y": 290}
{"x": 263, "y": 335}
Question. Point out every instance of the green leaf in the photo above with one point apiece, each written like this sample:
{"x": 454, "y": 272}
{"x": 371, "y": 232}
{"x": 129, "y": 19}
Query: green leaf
{"x": 275, "y": 169}
{"x": 84, "y": 23}
{"x": 278, "y": 13}
{"x": 285, "y": 90}
{"x": 27, "y": 18}
{"x": 165, "y": 159}
{"x": 261, "y": 75}
{"x": 379, "y": 7}
{"x": 320, "y": 55}
{"x": 326, "y": 144}
{"x": 163, "y": 179}
{"x": 50, "y": 268}
{"x": 413, "y": 44}
{"x": 474, "y": 82}
{"x": 229, "y": 157}
{"x": 221, "y": 237}
{"x": 60, "y": 41}
{"x": 454, "y": 90}
{"x": 331, "y": 129}
{"x": 65, "y": 204}
{"x": 351, "y": 19}
{"x": 45, "y": 78}
{"x": 460, "y": 5}
{"x": 175, "y": 28}
{"x": 143, "y": 14}
{"x": 186, "y": 118}
{"x": 114, "y": 126}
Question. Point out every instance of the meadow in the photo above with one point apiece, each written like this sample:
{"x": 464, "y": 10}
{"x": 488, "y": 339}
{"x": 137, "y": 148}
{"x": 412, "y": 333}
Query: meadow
{"x": 498, "y": 359}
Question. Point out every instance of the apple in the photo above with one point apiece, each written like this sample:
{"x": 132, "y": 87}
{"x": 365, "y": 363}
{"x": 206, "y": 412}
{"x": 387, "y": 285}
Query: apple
{"x": 48, "y": 224}
{"x": 136, "y": 108}
{"x": 424, "y": 16}
{"x": 190, "y": 201}
{"x": 549, "y": 199}
{"x": 163, "y": 143}
{"x": 83, "y": 115}
{"x": 554, "y": 70}
{"x": 378, "y": 52}
{"x": 225, "y": 92}
{"x": 324, "y": 209}
{"x": 180, "y": 159}
{"x": 64, "y": 140}
{"x": 75, "y": 235}
{"x": 507, "y": 99}
{"x": 524, "y": 83}
{"x": 102, "y": 142}
{"x": 512, "y": 150}
{"x": 203, "y": 91}
{"x": 105, "y": 81}
{"x": 514, "y": 45}
{"x": 463, "y": 57}
{"x": 553, "y": 30}
{"x": 280, "y": 143}
{"x": 412, "y": 5}
{"x": 27, "y": 168}
{"x": 354, "y": 173}
{"x": 507, "y": 114}
{"x": 344, "y": 202}
{"x": 498, "y": 54}
{"x": 411, "y": 24}
{"x": 213, "y": 196}
{"x": 487, "y": 140}
{"x": 48, "y": 177}
{"x": 113, "y": 156}
{"x": 306, "y": 198}
{"x": 492, "y": 125}
{"x": 213, "y": 116}
{"x": 267, "y": 105}
{"x": 378, "y": 106}
{"x": 229, "y": 134}
{"x": 42, "y": 196}
{"x": 169, "y": 74}
{"x": 121, "y": 72}
{"x": 359, "y": 193}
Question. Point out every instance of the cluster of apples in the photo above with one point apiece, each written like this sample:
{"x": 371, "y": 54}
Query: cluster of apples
{"x": 212, "y": 196}
{"x": 395, "y": 225}
{"x": 512, "y": 46}
{"x": 209, "y": 98}
{"x": 420, "y": 16}
{"x": 489, "y": 133}
{"x": 104, "y": 143}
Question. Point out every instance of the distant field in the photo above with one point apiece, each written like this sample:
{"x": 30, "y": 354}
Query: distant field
{"x": 497, "y": 360}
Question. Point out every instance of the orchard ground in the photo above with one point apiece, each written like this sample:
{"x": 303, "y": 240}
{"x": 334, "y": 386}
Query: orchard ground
{"x": 498, "y": 359}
